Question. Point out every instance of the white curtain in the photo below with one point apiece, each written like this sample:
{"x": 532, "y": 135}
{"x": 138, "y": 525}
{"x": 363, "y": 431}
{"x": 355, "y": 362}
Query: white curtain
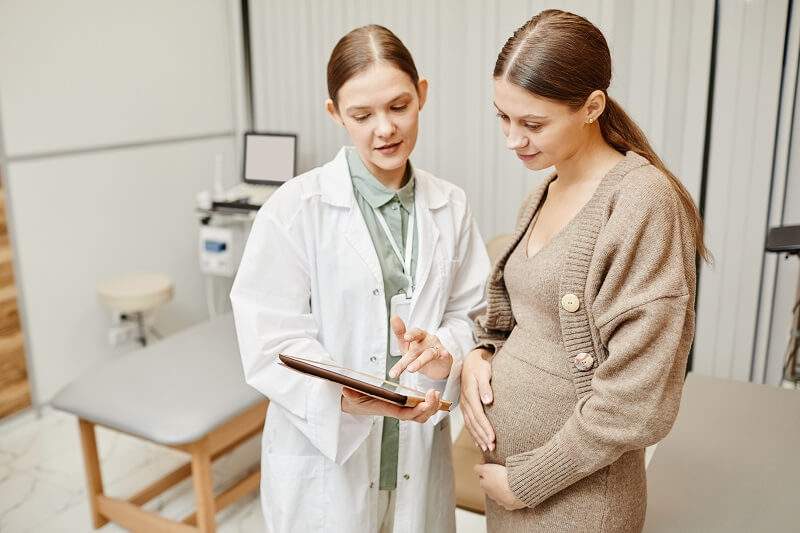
{"x": 660, "y": 51}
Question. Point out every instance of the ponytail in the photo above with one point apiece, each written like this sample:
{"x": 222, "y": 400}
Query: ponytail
{"x": 622, "y": 133}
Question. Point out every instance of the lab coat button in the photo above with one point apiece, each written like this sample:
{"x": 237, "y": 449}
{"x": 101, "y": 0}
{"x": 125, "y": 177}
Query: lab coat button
{"x": 375, "y": 292}
{"x": 373, "y": 359}
{"x": 371, "y": 484}
{"x": 406, "y": 476}
{"x": 584, "y": 361}
{"x": 570, "y": 302}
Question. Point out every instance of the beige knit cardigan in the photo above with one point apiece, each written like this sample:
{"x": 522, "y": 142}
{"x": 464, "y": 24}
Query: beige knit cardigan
{"x": 632, "y": 265}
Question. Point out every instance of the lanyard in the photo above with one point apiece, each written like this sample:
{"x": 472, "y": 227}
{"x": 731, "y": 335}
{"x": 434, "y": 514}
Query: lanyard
{"x": 406, "y": 262}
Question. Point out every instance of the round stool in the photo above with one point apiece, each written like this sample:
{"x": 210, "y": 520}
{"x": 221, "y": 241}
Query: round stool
{"x": 133, "y": 295}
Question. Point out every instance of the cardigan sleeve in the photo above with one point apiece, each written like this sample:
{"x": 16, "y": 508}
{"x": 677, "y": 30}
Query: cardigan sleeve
{"x": 488, "y": 339}
{"x": 643, "y": 272}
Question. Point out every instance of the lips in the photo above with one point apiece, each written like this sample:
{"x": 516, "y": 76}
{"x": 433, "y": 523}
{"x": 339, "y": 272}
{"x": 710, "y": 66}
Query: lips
{"x": 389, "y": 148}
{"x": 527, "y": 157}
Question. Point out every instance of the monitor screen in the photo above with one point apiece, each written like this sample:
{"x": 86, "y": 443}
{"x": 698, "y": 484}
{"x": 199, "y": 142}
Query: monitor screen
{"x": 269, "y": 157}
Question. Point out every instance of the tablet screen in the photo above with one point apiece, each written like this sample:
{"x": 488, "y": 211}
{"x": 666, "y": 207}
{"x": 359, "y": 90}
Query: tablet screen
{"x": 372, "y": 380}
{"x": 359, "y": 381}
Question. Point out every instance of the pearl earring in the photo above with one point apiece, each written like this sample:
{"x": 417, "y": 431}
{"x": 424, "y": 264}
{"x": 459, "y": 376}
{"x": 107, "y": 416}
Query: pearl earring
{"x": 590, "y": 120}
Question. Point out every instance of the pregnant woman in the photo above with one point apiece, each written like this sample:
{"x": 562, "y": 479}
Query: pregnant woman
{"x": 590, "y": 317}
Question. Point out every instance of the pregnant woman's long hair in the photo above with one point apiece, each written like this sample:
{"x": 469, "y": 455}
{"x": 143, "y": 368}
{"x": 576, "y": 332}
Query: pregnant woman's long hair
{"x": 564, "y": 57}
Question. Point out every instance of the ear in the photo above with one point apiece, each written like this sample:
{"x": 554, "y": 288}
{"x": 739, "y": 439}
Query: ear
{"x": 595, "y": 105}
{"x": 422, "y": 91}
{"x": 330, "y": 107}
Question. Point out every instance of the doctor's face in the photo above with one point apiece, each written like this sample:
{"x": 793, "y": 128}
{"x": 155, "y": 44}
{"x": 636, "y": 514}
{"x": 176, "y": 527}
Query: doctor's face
{"x": 379, "y": 108}
{"x": 542, "y": 132}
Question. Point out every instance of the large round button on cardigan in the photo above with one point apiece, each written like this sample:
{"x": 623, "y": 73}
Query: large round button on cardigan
{"x": 570, "y": 302}
{"x": 584, "y": 361}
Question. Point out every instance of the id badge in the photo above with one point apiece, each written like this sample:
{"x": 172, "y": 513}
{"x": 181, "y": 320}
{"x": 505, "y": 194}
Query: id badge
{"x": 400, "y": 305}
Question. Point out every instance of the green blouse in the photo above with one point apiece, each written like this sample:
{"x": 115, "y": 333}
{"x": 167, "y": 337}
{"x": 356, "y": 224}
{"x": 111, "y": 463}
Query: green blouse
{"x": 396, "y": 207}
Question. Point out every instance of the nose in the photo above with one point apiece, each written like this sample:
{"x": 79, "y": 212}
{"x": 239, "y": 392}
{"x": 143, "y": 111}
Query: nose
{"x": 385, "y": 127}
{"x": 515, "y": 140}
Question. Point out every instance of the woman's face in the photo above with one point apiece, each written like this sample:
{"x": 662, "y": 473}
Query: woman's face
{"x": 542, "y": 132}
{"x": 379, "y": 108}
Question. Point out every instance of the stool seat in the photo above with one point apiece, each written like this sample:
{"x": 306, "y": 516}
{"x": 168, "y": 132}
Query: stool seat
{"x": 135, "y": 292}
{"x": 172, "y": 392}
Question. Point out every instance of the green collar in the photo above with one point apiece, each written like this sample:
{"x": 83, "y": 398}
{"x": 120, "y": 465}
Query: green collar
{"x": 374, "y": 192}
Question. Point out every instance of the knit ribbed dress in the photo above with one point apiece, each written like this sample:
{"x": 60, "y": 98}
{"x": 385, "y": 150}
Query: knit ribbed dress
{"x": 533, "y": 360}
{"x": 590, "y": 339}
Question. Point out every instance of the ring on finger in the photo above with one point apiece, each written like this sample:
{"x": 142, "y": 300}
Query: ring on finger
{"x": 436, "y": 348}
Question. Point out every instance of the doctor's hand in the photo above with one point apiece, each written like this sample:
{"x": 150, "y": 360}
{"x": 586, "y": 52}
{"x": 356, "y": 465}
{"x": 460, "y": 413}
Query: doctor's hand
{"x": 494, "y": 482}
{"x": 421, "y": 351}
{"x": 476, "y": 391}
{"x": 355, "y": 403}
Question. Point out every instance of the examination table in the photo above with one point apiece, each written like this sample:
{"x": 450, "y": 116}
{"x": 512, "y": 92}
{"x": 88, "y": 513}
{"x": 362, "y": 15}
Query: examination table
{"x": 186, "y": 392}
{"x": 731, "y": 463}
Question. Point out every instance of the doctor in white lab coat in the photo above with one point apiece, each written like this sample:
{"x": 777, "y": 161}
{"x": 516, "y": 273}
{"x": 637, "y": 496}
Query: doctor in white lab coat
{"x": 310, "y": 285}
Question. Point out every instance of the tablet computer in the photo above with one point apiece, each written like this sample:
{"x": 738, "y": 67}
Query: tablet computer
{"x": 359, "y": 381}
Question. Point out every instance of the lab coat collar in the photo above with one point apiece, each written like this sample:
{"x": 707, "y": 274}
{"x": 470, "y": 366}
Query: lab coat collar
{"x": 335, "y": 183}
{"x": 337, "y": 187}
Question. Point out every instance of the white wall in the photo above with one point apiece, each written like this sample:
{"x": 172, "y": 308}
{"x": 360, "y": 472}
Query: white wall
{"x": 781, "y": 276}
{"x": 92, "y": 73}
{"x": 111, "y": 115}
{"x": 739, "y": 191}
{"x": 84, "y": 218}
{"x": 660, "y": 52}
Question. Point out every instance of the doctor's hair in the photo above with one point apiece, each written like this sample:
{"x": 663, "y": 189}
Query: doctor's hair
{"x": 563, "y": 57}
{"x": 362, "y": 48}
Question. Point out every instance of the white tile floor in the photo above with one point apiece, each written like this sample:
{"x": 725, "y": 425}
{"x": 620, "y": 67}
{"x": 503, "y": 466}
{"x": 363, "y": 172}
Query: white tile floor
{"x": 42, "y": 484}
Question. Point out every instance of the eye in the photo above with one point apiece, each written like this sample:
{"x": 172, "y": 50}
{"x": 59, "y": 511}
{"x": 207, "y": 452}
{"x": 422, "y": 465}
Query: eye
{"x": 399, "y": 107}
{"x": 533, "y": 127}
{"x": 361, "y": 118}
{"x": 502, "y": 116}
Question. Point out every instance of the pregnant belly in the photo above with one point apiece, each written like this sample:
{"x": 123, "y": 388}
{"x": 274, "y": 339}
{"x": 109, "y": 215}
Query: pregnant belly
{"x": 530, "y": 403}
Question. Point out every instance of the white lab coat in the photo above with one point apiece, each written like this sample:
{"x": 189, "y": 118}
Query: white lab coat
{"x": 310, "y": 285}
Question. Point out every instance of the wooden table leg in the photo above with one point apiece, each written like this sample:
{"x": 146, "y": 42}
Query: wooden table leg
{"x": 203, "y": 487}
{"x": 94, "y": 480}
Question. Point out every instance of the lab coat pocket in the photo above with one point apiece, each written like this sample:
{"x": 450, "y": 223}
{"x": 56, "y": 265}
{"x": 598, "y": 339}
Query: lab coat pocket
{"x": 295, "y": 492}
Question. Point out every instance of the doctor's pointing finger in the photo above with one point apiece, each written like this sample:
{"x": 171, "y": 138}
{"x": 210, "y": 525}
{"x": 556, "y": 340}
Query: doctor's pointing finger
{"x": 422, "y": 352}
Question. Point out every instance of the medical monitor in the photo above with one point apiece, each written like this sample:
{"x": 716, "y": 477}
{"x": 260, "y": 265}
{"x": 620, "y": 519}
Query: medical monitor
{"x": 269, "y": 158}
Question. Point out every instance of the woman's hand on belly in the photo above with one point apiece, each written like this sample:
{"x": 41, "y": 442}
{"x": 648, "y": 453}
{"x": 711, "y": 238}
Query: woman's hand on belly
{"x": 421, "y": 351}
{"x": 476, "y": 375}
{"x": 494, "y": 482}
